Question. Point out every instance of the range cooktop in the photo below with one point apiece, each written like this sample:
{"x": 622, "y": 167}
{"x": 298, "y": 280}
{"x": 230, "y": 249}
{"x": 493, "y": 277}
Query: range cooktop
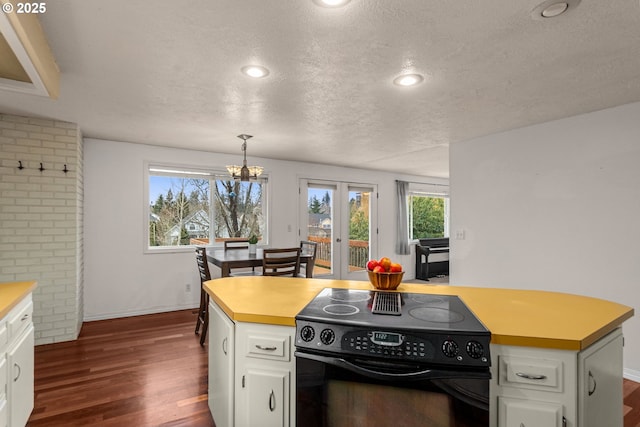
{"x": 424, "y": 327}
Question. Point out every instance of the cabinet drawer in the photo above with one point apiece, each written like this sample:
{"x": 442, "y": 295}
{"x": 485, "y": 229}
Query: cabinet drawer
{"x": 20, "y": 318}
{"x": 531, "y": 373}
{"x": 268, "y": 346}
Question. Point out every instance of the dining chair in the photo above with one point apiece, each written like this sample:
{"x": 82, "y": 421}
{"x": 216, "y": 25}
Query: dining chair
{"x": 307, "y": 247}
{"x": 203, "y": 310}
{"x": 281, "y": 262}
{"x": 242, "y": 243}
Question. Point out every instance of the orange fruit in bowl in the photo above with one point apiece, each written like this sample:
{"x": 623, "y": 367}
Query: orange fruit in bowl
{"x": 395, "y": 267}
{"x": 385, "y": 263}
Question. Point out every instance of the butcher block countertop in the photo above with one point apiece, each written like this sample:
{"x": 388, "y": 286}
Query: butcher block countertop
{"x": 514, "y": 317}
{"x": 12, "y": 293}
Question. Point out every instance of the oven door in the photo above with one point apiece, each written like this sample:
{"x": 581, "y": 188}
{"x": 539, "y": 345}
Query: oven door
{"x": 333, "y": 391}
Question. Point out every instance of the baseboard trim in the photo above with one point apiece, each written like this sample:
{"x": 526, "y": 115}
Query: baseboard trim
{"x": 631, "y": 374}
{"x": 138, "y": 312}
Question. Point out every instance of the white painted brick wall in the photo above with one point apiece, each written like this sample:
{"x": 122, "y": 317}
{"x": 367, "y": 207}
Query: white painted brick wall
{"x": 41, "y": 220}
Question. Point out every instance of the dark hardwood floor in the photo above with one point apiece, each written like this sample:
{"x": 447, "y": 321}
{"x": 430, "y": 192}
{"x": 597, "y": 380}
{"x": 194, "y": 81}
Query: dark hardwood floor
{"x": 631, "y": 395}
{"x": 145, "y": 371}
{"x": 137, "y": 371}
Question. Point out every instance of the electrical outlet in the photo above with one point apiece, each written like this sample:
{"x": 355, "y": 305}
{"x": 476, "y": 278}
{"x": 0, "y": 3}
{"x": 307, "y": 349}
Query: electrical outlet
{"x": 187, "y": 287}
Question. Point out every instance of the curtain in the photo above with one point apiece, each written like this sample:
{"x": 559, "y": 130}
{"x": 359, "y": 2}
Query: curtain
{"x": 402, "y": 232}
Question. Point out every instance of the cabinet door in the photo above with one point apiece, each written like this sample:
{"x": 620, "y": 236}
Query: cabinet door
{"x": 221, "y": 366}
{"x": 20, "y": 361}
{"x": 528, "y": 413}
{"x": 4, "y": 416}
{"x": 600, "y": 394}
{"x": 267, "y": 398}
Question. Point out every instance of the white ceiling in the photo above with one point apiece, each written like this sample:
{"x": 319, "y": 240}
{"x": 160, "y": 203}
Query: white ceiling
{"x": 168, "y": 73}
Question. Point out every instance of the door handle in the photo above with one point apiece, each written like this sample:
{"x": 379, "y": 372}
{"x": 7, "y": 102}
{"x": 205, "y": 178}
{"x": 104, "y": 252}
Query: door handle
{"x": 224, "y": 346}
{"x": 19, "y": 372}
{"x": 592, "y": 379}
{"x": 272, "y": 401}
{"x": 338, "y": 239}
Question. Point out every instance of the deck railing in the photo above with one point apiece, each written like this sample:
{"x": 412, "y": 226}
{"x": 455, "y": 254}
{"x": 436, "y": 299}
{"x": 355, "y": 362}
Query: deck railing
{"x": 358, "y": 252}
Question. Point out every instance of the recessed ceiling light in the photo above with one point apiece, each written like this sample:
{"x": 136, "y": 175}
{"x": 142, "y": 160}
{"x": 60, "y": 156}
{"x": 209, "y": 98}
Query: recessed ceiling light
{"x": 408, "y": 80}
{"x": 553, "y": 8}
{"x": 331, "y": 3}
{"x": 255, "y": 71}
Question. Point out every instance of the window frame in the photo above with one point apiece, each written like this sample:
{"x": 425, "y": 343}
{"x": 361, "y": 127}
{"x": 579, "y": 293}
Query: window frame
{"x": 200, "y": 172}
{"x": 427, "y": 190}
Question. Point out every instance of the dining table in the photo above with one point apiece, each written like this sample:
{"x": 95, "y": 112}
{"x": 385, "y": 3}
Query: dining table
{"x": 230, "y": 259}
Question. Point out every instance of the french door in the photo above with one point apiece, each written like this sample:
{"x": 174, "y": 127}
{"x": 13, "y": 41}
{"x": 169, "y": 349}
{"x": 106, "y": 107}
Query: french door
{"x": 342, "y": 218}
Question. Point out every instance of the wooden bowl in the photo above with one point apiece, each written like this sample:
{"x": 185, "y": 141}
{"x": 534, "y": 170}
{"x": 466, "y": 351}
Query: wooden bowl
{"x": 386, "y": 281}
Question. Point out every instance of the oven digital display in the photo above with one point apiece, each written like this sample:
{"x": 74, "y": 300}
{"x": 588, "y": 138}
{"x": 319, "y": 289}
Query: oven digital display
{"x": 386, "y": 338}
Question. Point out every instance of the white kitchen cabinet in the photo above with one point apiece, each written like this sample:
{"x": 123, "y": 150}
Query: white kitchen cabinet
{"x": 221, "y": 366}
{"x": 557, "y": 388}
{"x": 20, "y": 360}
{"x": 251, "y": 372}
{"x": 265, "y": 395}
{"x": 4, "y": 412}
{"x": 265, "y": 375}
{"x": 527, "y": 413}
{"x": 17, "y": 364}
{"x": 600, "y": 383}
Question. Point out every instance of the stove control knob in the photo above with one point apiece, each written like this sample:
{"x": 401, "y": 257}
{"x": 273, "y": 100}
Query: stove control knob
{"x": 307, "y": 333}
{"x": 450, "y": 348}
{"x": 327, "y": 336}
{"x": 475, "y": 349}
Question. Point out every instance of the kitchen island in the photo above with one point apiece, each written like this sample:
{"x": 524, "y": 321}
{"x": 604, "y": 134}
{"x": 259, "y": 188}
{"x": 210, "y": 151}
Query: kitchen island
{"x": 552, "y": 335}
{"x": 16, "y": 353}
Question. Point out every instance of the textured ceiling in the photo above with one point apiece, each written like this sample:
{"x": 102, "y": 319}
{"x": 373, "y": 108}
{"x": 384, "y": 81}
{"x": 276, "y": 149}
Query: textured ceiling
{"x": 168, "y": 73}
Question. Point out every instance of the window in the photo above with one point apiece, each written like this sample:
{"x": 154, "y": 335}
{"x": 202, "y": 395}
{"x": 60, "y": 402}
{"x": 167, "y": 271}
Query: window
{"x": 191, "y": 207}
{"x": 428, "y": 206}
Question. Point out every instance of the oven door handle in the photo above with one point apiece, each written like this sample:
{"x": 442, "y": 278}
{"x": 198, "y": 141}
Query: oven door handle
{"x": 412, "y": 375}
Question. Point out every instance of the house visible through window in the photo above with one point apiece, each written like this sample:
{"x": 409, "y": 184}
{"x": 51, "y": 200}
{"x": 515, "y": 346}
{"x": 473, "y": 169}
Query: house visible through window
{"x": 428, "y": 211}
{"x": 192, "y": 207}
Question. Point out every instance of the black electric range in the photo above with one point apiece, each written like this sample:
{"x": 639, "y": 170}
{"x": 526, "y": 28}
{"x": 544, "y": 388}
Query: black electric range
{"x": 372, "y": 324}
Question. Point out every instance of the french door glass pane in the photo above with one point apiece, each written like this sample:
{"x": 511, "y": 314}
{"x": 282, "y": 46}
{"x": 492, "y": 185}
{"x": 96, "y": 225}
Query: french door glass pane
{"x": 359, "y": 229}
{"x": 320, "y": 221}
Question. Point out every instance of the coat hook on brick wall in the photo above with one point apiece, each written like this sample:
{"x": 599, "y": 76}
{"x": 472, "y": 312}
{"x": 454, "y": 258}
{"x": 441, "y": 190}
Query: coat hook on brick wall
{"x": 41, "y": 168}
{"x": 65, "y": 170}
{"x": 20, "y": 165}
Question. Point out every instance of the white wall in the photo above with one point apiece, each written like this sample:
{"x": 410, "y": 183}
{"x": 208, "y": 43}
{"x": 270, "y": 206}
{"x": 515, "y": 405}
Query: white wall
{"x": 122, "y": 280}
{"x": 556, "y": 207}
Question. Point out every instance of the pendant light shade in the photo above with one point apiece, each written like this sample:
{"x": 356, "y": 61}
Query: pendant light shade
{"x": 244, "y": 172}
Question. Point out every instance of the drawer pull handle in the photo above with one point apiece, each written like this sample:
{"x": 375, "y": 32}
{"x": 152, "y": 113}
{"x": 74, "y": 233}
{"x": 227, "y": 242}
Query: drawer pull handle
{"x": 263, "y": 348}
{"x": 272, "y": 401}
{"x": 531, "y": 376}
{"x": 25, "y": 317}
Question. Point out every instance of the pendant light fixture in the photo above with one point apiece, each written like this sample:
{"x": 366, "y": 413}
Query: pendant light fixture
{"x": 244, "y": 172}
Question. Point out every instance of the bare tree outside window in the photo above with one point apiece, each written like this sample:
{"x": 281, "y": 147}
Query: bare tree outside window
{"x": 185, "y": 210}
